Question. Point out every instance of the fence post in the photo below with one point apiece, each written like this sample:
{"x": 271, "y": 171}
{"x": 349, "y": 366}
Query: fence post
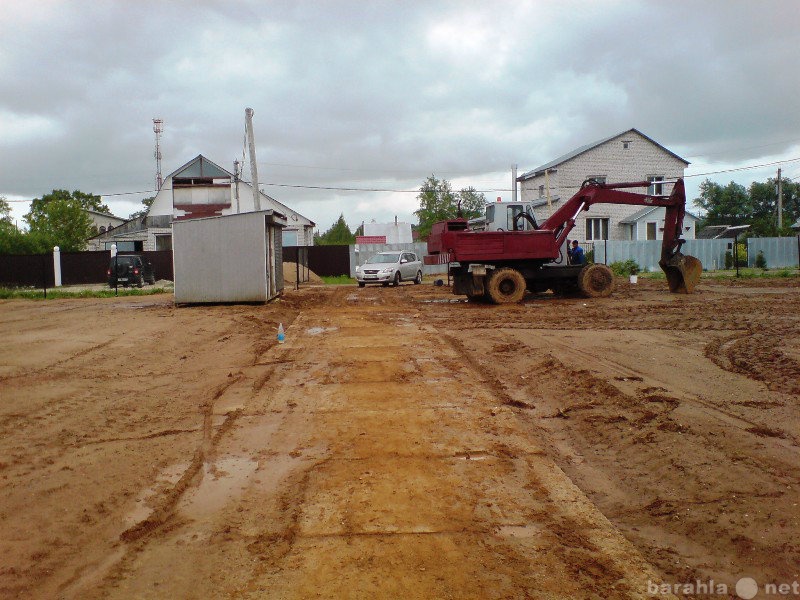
{"x": 56, "y": 266}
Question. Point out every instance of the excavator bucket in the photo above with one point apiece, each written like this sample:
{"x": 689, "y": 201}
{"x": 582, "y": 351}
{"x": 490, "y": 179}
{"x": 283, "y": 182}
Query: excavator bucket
{"x": 682, "y": 271}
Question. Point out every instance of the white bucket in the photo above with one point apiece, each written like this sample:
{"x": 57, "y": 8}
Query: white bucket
{"x": 634, "y": 279}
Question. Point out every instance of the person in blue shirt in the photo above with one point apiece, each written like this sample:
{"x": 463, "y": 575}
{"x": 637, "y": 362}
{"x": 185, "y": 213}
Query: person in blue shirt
{"x": 576, "y": 256}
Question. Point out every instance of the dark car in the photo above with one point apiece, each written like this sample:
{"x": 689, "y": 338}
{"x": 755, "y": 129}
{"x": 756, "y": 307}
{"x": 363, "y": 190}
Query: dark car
{"x": 130, "y": 269}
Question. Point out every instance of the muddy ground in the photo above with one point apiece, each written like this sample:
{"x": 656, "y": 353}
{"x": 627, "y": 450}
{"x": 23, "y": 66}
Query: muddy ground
{"x": 400, "y": 444}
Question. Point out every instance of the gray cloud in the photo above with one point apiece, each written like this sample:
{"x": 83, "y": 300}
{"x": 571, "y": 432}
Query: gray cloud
{"x": 382, "y": 94}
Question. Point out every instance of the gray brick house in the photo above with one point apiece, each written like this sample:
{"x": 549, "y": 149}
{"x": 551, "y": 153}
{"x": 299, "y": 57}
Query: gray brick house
{"x": 626, "y": 156}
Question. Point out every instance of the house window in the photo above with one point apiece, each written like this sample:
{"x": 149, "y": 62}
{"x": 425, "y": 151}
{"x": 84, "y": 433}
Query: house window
{"x": 597, "y": 178}
{"x": 541, "y": 191}
{"x": 626, "y": 144}
{"x": 102, "y": 229}
{"x": 163, "y": 242}
{"x": 596, "y": 229}
{"x": 651, "y": 230}
{"x": 656, "y": 186}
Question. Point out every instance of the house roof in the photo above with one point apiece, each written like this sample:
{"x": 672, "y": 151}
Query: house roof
{"x": 640, "y": 214}
{"x": 540, "y": 203}
{"x": 578, "y": 151}
{"x": 715, "y": 232}
{"x": 102, "y": 214}
{"x": 796, "y": 225}
{"x": 200, "y": 166}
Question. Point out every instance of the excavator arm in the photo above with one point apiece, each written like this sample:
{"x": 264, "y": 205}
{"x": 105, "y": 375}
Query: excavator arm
{"x": 682, "y": 271}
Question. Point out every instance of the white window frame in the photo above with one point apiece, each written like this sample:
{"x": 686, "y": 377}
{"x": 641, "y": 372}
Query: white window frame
{"x": 656, "y": 185}
{"x": 597, "y": 228}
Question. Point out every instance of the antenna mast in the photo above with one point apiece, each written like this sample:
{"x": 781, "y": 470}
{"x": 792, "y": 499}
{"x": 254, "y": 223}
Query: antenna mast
{"x": 158, "y": 128}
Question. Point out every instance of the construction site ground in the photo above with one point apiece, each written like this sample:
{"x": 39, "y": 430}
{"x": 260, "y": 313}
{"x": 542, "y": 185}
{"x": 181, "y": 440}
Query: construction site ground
{"x": 402, "y": 443}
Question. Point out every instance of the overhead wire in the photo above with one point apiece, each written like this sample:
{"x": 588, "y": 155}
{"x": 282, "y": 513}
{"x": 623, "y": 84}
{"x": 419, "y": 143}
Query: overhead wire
{"x": 416, "y": 191}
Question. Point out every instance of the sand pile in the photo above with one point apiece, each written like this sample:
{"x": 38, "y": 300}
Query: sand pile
{"x": 306, "y": 275}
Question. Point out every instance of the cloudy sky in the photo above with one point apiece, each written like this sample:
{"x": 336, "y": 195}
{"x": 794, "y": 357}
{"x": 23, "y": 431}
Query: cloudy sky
{"x": 382, "y": 94}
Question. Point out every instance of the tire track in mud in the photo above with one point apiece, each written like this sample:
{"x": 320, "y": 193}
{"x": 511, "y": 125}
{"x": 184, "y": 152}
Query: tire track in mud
{"x": 755, "y": 355}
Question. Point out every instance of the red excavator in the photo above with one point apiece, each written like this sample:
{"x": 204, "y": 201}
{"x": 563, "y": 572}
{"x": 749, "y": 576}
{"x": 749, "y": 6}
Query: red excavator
{"x": 500, "y": 265}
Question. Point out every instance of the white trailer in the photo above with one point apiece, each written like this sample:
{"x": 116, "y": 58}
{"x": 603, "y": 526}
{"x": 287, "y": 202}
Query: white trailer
{"x": 233, "y": 258}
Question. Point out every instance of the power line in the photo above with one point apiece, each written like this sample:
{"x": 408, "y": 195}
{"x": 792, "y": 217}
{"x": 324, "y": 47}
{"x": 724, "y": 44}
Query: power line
{"x": 416, "y": 191}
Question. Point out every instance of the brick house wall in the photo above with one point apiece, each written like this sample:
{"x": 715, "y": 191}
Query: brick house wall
{"x": 629, "y": 156}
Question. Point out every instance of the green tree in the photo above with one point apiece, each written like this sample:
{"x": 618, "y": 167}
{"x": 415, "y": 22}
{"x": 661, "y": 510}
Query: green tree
{"x": 729, "y": 205}
{"x": 147, "y": 203}
{"x": 338, "y": 234}
{"x": 59, "y": 219}
{"x": 756, "y": 206}
{"x": 764, "y": 198}
{"x": 438, "y": 202}
{"x": 473, "y": 203}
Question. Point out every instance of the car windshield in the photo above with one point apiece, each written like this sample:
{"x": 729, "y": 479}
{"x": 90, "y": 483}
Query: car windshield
{"x": 384, "y": 258}
{"x": 124, "y": 260}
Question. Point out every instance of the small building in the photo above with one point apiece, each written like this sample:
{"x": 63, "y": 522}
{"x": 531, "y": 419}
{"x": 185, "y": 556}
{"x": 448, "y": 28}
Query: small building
{"x": 102, "y": 222}
{"x": 796, "y": 225}
{"x": 232, "y": 258}
{"x": 395, "y": 233}
{"x": 626, "y": 156}
{"x": 648, "y": 224}
{"x": 199, "y": 188}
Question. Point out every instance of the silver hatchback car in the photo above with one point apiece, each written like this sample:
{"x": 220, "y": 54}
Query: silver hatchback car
{"x": 390, "y": 267}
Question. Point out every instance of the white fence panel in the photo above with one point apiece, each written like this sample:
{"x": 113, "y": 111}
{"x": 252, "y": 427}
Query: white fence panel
{"x": 778, "y": 252}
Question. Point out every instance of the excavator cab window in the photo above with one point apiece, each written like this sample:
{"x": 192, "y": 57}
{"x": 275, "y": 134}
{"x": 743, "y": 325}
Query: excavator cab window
{"x": 513, "y": 211}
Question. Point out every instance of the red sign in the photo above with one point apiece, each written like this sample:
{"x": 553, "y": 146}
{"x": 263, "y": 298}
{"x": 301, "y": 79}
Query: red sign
{"x": 370, "y": 239}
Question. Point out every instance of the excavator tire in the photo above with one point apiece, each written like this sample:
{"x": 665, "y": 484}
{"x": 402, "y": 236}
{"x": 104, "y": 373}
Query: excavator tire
{"x": 506, "y": 286}
{"x": 596, "y": 281}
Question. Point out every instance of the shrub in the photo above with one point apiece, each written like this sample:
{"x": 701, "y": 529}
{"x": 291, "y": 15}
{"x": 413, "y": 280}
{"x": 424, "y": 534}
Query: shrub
{"x": 624, "y": 268}
{"x": 761, "y": 260}
{"x": 590, "y": 256}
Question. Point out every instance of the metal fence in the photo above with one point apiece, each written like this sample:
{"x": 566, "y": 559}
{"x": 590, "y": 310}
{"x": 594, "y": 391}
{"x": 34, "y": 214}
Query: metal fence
{"x": 647, "y": 253}
{"x": 36, "y": 270}
{"x": 778, "y": 252}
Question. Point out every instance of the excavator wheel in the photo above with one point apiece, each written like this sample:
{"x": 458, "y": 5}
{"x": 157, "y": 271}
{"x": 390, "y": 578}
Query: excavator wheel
{"x": 596, "y": 281}
{"x": 506, "y": 286}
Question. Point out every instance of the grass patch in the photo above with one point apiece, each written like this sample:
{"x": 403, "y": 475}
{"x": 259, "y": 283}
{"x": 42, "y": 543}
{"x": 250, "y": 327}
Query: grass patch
{"x": 338, "y": 280}
{"x": 54, "y": 294}
{"x": 744, "y": 273}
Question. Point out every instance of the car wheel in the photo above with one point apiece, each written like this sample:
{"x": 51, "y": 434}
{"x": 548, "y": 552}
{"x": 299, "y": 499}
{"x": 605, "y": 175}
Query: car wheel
{"x": 418, "y": 278}
{"x": 140, "y": 284}
{"x": 396, "y": 280}
{"x": 361, "y": 284}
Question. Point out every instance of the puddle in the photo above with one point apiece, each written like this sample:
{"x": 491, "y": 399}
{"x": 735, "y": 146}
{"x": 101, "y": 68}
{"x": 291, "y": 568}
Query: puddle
{"x": 167, "y": 478}
{"x": 319, "y": 330}
{"x": 223, "y": 480}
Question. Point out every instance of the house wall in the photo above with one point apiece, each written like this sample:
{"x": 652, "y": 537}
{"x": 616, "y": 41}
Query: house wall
{"x": 640, "y": 160}
{"x": 163, "y": 205}
{"x": 658, "y": 215}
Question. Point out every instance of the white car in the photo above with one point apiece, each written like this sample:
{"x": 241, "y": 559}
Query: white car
{"x": 390, "y": 267}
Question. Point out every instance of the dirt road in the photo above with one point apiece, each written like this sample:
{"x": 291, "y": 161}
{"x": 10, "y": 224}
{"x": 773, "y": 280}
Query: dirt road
{"x": 400, "y": 445}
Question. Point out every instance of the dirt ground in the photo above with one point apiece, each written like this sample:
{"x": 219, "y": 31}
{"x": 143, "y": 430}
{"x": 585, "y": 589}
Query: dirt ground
{"x": 401, "y": 443}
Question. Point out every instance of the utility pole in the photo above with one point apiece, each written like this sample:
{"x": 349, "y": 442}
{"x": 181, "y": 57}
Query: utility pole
{"x": 780, "y": 201}
{"x": 513, "y": 183}
{"x": 236, "y": 183}
{"x": 251, "y": 143}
